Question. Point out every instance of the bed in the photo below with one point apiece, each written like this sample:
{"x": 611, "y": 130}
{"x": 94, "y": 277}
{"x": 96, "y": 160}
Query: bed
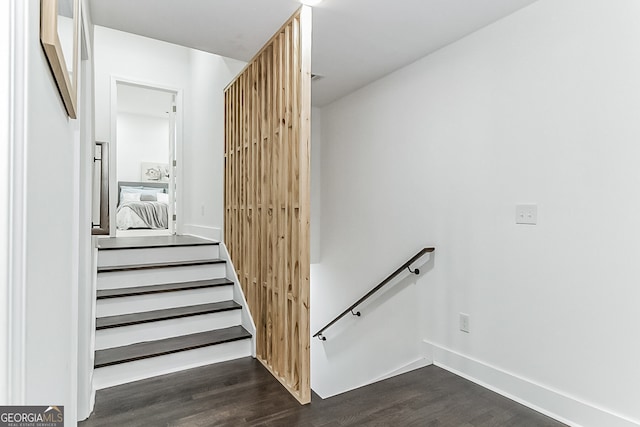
{"x": 142, "y": 205}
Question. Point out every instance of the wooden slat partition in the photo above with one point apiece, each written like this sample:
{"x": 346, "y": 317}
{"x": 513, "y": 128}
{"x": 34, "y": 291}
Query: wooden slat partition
{"x": 267, "y": 206}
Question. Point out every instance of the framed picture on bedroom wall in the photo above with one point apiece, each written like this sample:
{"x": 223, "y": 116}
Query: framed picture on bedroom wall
{"x": 154, "y": 172}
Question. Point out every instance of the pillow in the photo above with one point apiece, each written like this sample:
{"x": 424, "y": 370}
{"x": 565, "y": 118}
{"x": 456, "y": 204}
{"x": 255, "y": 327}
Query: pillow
{"x": 150, "y": 191}
{"x": 128, "y": 190}
{"x": 144, "y": 197}
{"x": 163, "y": 197}
{"x": 153, "y": 190}
{"x": 130, "y": 197}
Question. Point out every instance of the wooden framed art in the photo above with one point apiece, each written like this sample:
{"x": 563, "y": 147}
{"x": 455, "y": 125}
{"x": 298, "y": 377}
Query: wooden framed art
{"x": 59, "y": 32}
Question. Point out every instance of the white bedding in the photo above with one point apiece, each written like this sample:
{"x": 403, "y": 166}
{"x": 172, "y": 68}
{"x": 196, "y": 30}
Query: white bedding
{"x": 142, "y": 207}
{"x": 152, "y": 215}
{"x": 127, "y": 218}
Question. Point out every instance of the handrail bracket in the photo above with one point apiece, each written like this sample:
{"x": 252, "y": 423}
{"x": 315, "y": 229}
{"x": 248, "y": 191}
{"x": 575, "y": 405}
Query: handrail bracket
{"x": 374, "y": 290}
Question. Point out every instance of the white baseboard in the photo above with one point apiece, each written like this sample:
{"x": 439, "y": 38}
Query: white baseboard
{"x": 553, "y": 403}
{"x": 211, "y": 233}
{"x": 421, "y": 362}
{"x": 425, "y": 359}
{"x": 238, "y": 296}
{"x": 412, "y": 366}
{"x": 83, "y": 414}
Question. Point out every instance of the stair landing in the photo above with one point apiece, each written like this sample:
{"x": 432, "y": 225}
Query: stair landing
{"x": 151, "y": 242}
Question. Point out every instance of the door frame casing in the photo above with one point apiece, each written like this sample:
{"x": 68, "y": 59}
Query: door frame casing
{"x": 178, "y": 151}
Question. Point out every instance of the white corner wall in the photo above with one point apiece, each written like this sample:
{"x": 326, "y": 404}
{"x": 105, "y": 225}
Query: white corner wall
{"x": 136, "y": 58}
{"x": 540, "y": 107}
{"x": 44, "y": 259}
{"x": 132, "y": 58}
{"x": 316, "y": 184}
{"x": 204, "y": 147}
{"x": 201, "y": 77}
{"x": 50, "y": 247}
{"x": 5, "y": 197}
{"x": 87, "y": 250}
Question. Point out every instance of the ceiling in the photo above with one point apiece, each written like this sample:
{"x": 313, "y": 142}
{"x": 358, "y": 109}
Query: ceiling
{"x": 355, "y": 42}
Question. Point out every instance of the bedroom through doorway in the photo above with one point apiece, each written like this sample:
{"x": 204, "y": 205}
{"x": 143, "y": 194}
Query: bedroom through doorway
{"x": 145, "y": 130}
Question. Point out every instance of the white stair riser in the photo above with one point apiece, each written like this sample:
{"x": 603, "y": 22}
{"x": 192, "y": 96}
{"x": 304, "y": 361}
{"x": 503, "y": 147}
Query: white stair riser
{"x": 110, "y": 376}
{"x": 108, "y": 258}
{"x": 125, "y": 335}
{"x": 163, "y": 300}
{"x": 157, "y": 276}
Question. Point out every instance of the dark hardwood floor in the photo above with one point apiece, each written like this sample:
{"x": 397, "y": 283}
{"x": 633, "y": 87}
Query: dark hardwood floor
{"x": 243, "y": 393}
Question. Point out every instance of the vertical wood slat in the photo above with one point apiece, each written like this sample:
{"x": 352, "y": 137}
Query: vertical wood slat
{"x": 304, "y": 203}
{"x": 275, "y": 199}
{"x": 280, "y": 214}
{"x": 267, "y": 136}
{"x": 294, "y": 287}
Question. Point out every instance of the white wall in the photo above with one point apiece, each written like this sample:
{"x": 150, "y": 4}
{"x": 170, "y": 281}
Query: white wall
{"x": 541, "y": 107}
{"x": 133, "y": 58}
{"x": 200, "y": 77}
{"x": 87, "y": 275}
{"x": 44, "y": 247}
{"x": 140, "y": 139}
{"x": 316, "y": 184}
{"x": 5, "y": 198}
{"x": 50, "y": 248}
{"x": 204, "y": 142}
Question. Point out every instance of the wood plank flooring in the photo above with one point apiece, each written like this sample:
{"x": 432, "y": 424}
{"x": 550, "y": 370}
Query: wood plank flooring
{"x": 243, "y": 393}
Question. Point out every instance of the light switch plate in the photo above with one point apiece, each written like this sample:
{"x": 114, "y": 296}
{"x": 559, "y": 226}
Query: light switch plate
{"x": 527, "y": 214}
{"x": 464, "y": 322}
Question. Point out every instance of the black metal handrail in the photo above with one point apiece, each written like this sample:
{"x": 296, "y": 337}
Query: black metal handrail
{"x": 374, "y": 290}
{"x": 101, "y": 154}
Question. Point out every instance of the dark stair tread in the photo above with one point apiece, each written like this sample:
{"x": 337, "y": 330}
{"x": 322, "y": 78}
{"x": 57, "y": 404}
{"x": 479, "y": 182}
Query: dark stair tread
{"x": 166, "y": 314}
{"x": 160, "y": 265}
{"x": 155, "y": 289}
{"x": 115, "y": 243}
{"x": 145, "y": 350}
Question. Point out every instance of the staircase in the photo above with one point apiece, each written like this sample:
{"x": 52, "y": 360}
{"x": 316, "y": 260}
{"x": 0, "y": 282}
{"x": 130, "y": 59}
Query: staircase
{"x": 165, "y": 304}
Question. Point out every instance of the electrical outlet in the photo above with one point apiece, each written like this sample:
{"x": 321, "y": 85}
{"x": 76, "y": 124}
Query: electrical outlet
{"x": 527, "y": 214}
{"x": 464, "y": 322}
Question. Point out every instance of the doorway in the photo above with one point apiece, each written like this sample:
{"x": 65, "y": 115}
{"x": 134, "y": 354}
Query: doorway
{"x": 146, "y": 147}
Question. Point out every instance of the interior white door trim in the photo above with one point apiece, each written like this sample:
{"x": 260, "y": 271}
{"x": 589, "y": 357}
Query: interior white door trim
{"x": 179, "y": 119}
